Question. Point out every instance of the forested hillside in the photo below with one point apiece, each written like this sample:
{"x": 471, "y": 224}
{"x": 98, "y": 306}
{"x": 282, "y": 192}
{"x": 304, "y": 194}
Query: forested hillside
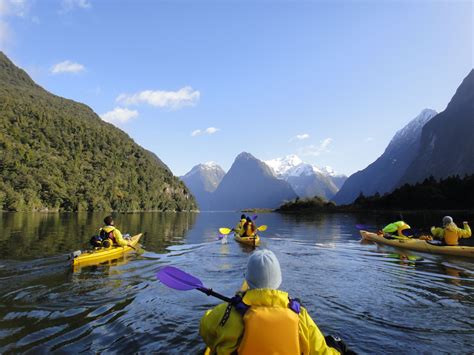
{"x": 57, "y": 154}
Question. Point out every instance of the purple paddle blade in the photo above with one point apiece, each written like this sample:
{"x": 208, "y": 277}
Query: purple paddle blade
{"x": 178, "y": 279}
{"x": 254, "y": 218}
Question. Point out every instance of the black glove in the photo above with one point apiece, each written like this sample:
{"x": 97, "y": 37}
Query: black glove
{"x": 338, "y": 344}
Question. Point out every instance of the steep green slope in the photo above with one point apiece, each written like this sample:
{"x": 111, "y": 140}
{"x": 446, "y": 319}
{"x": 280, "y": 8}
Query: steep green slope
{"x": 57, "y": 154}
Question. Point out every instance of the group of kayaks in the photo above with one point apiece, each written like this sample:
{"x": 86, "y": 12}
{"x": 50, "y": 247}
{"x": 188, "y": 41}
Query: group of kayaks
{"x": 419, "y": 245}
{"x": 97, "y": 256}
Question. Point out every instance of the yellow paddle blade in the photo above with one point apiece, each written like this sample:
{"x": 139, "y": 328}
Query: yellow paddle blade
{"x": 225, "y": 231}
{"x": 262, "y": 228}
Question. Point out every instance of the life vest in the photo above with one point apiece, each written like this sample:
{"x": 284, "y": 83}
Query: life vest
{"x": 451, "y": 236}
{"x": 108, "y": 235}
{"x": 271, "y": 330}
{"x": 248, "y": 229}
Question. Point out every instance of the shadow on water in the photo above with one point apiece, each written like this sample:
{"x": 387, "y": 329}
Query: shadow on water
{"x": 377, "y": 298}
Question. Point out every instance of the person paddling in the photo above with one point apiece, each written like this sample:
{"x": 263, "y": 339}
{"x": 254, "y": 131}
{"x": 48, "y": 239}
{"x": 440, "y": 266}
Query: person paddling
{"x": 249, "y": 229}
{"x": 397, "y": 230}
{"x": 110, "y": 235}
{"x": 450, "y": 233}
{"x": 240, "y": 226}
{"x": 264, "y": 320}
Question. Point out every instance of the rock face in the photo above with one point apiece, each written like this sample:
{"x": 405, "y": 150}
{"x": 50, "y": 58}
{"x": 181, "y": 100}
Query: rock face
{"x": 57, "y": 154}
{"x": 307, "y": 180}
{"x": 203, "y": 180}
{"x": 385, "y": 173}
{"x": 447, "y": 143}
{"x": 250, "y": 183}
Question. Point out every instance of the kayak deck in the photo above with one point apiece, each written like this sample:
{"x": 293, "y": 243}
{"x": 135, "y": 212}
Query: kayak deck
{"x": 419, "y": 245}
{"x": 97, "y": 256}
{"x": 251, "y": 241}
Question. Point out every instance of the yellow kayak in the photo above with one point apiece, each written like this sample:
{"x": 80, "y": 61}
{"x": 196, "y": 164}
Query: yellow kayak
{"x": 97, "y": 256}
{"x": 250, "y": 241}
{"x": 420, "y": 245}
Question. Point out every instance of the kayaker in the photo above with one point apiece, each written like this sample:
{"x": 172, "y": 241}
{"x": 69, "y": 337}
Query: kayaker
{"x": 397, "y": 230}
{"x": 450, "y": 233}
{"x": 249, "y": 228}
{"x": 239, "y": 227}
{"x": 264, "y": 320}
{"x": 109, "y": 231}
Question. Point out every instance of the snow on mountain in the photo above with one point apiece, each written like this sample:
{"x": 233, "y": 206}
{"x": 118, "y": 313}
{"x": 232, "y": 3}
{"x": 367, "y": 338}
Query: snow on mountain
{"x": 292, "y": 165}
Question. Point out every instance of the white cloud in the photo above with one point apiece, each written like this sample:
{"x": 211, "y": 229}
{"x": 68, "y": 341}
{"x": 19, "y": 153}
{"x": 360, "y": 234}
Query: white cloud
{"x": 316, "y": 150}
{"x": 209, "y": 131}
{"x": 212, "y": 130}
{"x": 302, "y": 136}
{"x": 14, "y": 8}
{"x": 67, "y": 67}
{"x": 369, "y": 139}
{"x": 10, "y": 8}
{"x": 165, "y": 99}
{"x": 69, "y": 5}
{"x": 119, "y": 115}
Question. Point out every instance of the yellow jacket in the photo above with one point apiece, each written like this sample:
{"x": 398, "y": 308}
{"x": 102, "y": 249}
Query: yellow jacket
{"x": 226, "y": 339}
{"x": 117, "y": 234}
{"x": 396, "y": 228}
{"x": 451, "y": 233}
{"x": 238, "y": 228}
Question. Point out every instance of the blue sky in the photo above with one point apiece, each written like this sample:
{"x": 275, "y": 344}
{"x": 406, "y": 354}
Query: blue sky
{"x": 196, "y": 81}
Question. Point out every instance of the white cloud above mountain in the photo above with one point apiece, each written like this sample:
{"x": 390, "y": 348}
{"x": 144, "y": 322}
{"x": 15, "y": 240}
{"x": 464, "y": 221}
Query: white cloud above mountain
{"x": 173, "y": 100}
{"x": 119, "y": 115}
{"x": 316, "y": 149}
{"x": 67, "y": 66}
{"x": 208, "y": 131}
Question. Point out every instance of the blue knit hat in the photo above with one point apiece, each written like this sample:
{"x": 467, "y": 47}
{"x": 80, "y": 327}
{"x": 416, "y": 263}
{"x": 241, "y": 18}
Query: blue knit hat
{"x": 263, "y": 270}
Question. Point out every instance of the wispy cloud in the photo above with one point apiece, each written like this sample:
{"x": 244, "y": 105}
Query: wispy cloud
{"x": 67, "y": 67}
{"x": 10, "y": 8}
{"x": 209, "y": 131}
{"x": 316, "y": 150}
{"x": 164, "y": 99}
{"x": 69, "y": 5}
{"x": 119, "y": 115}
{"x": 299, "y": 137}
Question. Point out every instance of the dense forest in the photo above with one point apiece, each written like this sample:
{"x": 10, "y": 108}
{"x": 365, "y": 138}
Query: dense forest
{"x": 57, "y": 154}
{"x": 452, "y": 193}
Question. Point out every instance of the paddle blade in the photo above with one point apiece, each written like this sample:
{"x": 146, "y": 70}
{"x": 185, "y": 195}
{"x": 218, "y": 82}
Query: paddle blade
{"x": 262, "y": 228}
{"x": 254, "y": 218}
{"x": 225, "y": 231}
{"x": 178, "y": 279}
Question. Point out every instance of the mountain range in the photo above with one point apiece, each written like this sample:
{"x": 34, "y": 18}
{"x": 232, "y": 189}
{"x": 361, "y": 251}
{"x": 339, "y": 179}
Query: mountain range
{"x": 432, "y": 144}
{"x": 57, "y": 154}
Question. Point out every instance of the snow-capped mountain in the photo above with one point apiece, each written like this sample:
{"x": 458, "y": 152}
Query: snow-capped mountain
{"x": 307, "y": 180}
{"x": 384, "y": 174}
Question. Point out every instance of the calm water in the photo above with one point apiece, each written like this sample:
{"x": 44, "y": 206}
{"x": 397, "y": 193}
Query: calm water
{"x": 376, "y": 302}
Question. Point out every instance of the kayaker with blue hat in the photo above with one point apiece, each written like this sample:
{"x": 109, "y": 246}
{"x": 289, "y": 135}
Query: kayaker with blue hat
{"x": 263, "y": 319}
{"x": 450, "y": 233}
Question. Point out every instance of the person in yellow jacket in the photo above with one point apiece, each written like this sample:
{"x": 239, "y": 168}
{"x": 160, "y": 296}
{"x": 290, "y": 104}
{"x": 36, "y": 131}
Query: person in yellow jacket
{"x": 263, "y": 320}
{"x": 109, "y": 231}
{"x": 239, "y": 227}
{"x": 450, "y": 233}
{"x": 398, "y": 230}
{"x": 249, "y": 229}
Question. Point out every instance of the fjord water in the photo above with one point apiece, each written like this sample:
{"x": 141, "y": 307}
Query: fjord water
{"x": 377, "y": 302}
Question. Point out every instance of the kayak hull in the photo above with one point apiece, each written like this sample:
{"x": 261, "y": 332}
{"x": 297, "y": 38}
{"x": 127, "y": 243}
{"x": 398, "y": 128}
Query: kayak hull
{"x": 250, "y": 241}
{"x": 98, "y": 256}
{"x": 419, "y": 245}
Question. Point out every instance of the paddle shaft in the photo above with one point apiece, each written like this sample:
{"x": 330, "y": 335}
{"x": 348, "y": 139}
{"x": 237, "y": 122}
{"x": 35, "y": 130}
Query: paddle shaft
{"x": 210, "y": 292}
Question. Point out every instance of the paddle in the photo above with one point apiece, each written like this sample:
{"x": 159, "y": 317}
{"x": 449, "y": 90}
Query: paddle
{"x": 179, "y": 280}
